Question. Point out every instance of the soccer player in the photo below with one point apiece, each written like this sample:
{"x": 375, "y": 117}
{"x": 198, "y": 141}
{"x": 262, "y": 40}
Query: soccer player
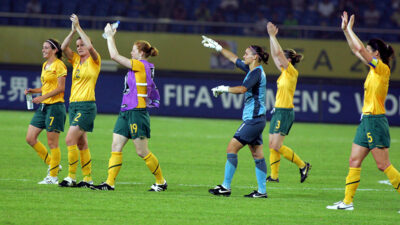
{"x": 51, "y": 113}
{"x": 372, "y": 134}
{"x": 133, "y": 121}
{"x": 254, "y": 120}
{"x": 283, "y": 113}
{"x": 82, "y": 108}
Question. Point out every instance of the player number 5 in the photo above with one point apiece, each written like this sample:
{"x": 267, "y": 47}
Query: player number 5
{"x": 369, "y": 137}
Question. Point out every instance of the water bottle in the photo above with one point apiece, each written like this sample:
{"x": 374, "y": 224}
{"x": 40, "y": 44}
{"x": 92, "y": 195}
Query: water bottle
{"x": 29, "y": 103}
{"x": 113, "y": 26}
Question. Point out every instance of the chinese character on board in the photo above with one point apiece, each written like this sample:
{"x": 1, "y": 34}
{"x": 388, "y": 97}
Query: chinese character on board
{"x": 2, "y": 84}
{"x": 17, "y": 88}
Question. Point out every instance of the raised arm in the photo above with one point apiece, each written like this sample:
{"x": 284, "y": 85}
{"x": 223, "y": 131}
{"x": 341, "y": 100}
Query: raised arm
{"x": 85, "y": 38}
{"x": 229, "y": 55}
{"x": 356, "y": 46}
{"x": 112, "y": 48}
{"x": 65, "y": 45}
{"x": 210, "y": 43}
{"x": 276, "y": 51}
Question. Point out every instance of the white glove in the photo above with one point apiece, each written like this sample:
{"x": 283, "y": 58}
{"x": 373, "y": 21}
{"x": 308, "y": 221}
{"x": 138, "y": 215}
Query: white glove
{"x": 219, "y": 90}
{"x": 210, "y": 43}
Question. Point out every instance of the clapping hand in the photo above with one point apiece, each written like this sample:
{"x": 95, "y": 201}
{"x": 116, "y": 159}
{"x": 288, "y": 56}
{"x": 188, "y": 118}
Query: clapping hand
{"x": 272, "y": 29}
{"x": 351, "y": 22}
{"x": 74, "y": 19}
{"x": 346, "y": 23}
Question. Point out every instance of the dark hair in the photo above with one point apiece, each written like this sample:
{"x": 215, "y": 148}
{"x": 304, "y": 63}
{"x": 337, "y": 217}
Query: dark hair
{"x": 80, "y": 38}
{"x": 293, "y": 56}
{"x": 385, "y": 51}
{"x": 145, "y": 47}
{"x": 261, "y": 53}
{"x": 55, "y": 45}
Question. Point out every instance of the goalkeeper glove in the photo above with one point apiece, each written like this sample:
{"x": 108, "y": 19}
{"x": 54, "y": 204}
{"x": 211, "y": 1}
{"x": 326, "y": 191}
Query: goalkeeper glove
{"x": 219, "y": 90}
{"x": 210, "y": 43}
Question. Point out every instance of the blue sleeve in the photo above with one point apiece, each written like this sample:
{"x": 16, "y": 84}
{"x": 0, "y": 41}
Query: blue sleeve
{"x": 252, "y": 79}
{"x": 240, "y": 64}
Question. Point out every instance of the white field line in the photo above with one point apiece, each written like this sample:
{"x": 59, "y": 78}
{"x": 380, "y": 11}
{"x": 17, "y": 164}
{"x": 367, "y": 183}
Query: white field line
{"x": 384, "y": 182}
{"x": 238, "y": 186}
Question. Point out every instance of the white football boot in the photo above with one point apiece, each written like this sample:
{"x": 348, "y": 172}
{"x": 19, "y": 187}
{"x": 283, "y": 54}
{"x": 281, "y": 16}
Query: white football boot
{"x": 49, "y": 180}
{"x": 341, "y": 206}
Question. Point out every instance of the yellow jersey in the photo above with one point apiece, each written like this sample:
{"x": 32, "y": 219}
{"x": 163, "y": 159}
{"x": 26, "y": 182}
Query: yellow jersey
{"x": 84, "y": 78}
{"x": 49, "y": 79}
{"x": 376, "y": 88}
{"x": 140, "y": 76}
{"x": 286, "y": 84}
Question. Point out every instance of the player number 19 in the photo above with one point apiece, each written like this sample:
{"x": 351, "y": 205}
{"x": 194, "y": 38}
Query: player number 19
{"x": 133, "y": 128}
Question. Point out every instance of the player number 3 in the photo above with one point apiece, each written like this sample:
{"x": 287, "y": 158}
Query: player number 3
{"x": 278, "y": 124}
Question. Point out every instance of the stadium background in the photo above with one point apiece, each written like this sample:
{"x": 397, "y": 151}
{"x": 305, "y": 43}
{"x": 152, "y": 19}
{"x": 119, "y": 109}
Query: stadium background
{"x": 191, "y": 150}
{"x": 331, "y": 78}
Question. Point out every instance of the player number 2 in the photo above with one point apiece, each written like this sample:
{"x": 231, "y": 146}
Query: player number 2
{"x": 134, "y": 128}
{"x": 77, "y": 117}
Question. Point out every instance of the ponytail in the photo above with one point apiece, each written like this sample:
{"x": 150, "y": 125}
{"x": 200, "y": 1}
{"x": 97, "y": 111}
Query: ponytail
{"x": 146, "y": 48}
{"x": 264, "y": 56}
{"x": 153, "y": 51}
{"x": 293, "y": 56}
{"x": 386, "y": 51}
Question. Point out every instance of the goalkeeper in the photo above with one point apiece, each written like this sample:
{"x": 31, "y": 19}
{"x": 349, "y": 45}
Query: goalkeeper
{"x": 250, "y": 131}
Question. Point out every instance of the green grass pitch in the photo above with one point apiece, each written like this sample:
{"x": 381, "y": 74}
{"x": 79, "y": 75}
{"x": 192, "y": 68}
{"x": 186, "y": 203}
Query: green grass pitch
{"x": 192, "y": 156}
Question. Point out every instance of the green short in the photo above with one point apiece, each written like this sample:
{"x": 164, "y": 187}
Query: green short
{"x": 373, "y": 132}
{"x": 82, "y": 114}
{"x": 281, "y": 121}
{"x": 133, "y": 124}
{"x": 50, "y": 117}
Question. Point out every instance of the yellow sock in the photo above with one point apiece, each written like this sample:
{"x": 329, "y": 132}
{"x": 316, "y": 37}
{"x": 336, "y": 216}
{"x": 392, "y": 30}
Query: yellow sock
{"x": 86, "y": 163}
{"x": 73, "y": 158}
{"x": 352, "y": 182}
{"x": 55, "y": 161}
{"x": 394, "y": 177}
{"x": 41, "y": 150}
{"x": 154, "y": 167}
{"x": 114, "y": 165}
{"x": 291, "y": 156}
{"x": 275, "y": 161}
